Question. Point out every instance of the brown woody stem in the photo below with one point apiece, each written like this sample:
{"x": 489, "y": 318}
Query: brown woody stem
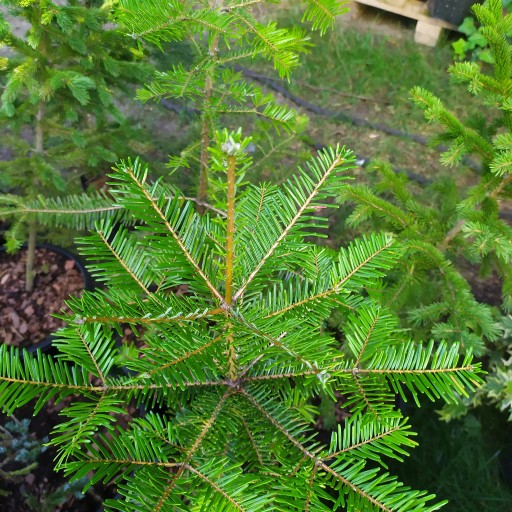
{"x": 202, "y": 190}
{"x": 30, "y": 271}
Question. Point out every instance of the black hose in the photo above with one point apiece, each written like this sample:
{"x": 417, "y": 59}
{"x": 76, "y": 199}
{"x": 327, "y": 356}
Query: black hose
{"x": 315, "y": 109}
{"x": 361, "y": 161}
{"x": 344, "y": 116}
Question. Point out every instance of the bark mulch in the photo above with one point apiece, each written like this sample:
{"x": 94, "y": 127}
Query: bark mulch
{"x": 26, "y": 317}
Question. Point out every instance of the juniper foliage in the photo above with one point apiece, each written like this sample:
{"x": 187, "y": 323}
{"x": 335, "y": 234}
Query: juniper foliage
{"x": 18, "y": 448}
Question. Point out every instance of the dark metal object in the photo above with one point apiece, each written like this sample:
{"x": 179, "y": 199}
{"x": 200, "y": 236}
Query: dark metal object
{"x": 452, "y": 11}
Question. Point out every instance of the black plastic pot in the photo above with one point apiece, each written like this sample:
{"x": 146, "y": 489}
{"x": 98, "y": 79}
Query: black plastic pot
{"x": 452, "y": 11}
{"x": 89, "y": 284}
{"x": 505, "y": 460}
{"x": 43, "y": 476}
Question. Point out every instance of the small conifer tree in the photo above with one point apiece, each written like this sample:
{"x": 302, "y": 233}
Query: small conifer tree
{"x": 58, "y": 104}
{"x": 227, "y": 370}
{"x": 446, "y": 230}
{"x": 223, "y": 35}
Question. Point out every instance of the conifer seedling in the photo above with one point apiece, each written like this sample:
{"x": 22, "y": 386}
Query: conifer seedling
{"x": 224, "y": 36}
{"x": 58, "y": 106}
{"x": 227, "y": 370}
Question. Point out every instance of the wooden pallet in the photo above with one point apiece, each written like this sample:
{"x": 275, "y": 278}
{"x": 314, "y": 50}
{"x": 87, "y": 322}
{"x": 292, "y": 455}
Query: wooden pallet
{"x": 428, "y": 29}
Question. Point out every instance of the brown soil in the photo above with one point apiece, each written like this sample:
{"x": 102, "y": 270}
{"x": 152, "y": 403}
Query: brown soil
{"x": 486, "y": 290}
{"x": 26, "y": 317}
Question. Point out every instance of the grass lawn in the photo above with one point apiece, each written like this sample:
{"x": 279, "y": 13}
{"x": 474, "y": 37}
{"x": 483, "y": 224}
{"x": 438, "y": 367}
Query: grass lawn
{"x": 367, "y": 72}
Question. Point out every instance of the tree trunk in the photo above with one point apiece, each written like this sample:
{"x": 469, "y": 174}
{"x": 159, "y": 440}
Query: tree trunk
{"x": 30, "y": 271}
